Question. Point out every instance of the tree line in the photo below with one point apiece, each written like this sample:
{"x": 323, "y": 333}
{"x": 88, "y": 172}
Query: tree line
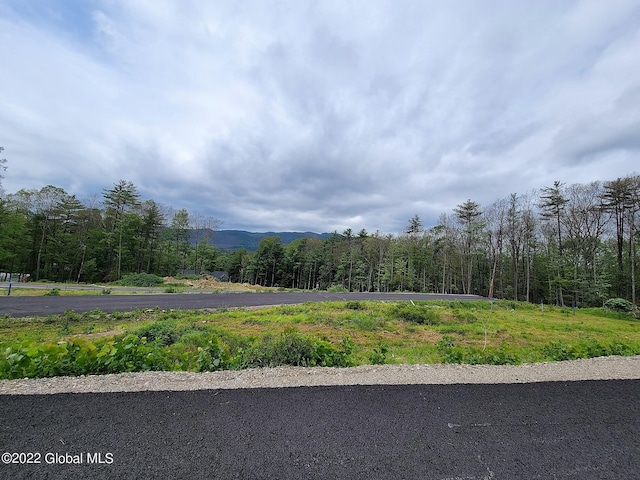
{"x": 564, "y": 244}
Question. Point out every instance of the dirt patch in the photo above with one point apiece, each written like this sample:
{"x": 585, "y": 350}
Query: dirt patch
{"x": 108, "y": 333}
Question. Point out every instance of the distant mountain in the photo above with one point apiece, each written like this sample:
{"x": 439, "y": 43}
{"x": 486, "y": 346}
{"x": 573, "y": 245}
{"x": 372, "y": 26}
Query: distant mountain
{"x": 236, "y": 239}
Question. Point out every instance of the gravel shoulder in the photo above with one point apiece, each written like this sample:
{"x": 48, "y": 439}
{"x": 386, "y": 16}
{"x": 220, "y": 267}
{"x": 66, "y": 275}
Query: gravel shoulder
{"x": 601, "y": 368}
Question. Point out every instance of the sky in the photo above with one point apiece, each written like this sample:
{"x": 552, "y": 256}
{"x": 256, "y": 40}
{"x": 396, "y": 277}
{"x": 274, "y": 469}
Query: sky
{"x": 299, "y": 115}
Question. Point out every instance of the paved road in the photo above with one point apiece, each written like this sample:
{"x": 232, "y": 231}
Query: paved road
{"x": 556, "y": 430}
{"x": 32, "y": 306}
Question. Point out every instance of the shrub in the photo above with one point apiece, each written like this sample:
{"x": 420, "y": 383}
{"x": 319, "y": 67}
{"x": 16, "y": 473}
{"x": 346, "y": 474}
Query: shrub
{"x": 354, "y": 305}
{"x": 449, "y": 351}
{"x": 160, "y": 333}
{"x": 619, "y": 348}
{"x": 619, "y": 305}
{"x": 559, "y": 350}
{"x": 421, "y": 314}
{"x": 465, "y": 316}
{"x": 293, "y": 348}
{"x": 213, "y": 356}
{"x": 379, "y": 355}
{"x": 498, "y": 356}
{"x": 54, "y": 292}
{"x": 337, "y": 288}
{"x": 130, "y": 354}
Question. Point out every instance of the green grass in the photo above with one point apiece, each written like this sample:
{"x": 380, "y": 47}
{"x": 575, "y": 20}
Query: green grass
{"x": 330, "y": 333}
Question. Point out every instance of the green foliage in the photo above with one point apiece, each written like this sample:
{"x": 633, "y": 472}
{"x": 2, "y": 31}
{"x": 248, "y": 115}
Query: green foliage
{"x": 131, "y": 354}
{"x": 449, "y": 351}
{"x": 54, "y": 292}
{"x": 379, "y": 355}
{"x": 337, "y": 289}
{"x": 354, "y": 305}
{"x": 560, "y": 350}
{"x": 293, "y": 348}
{"x": 213, "y": 356}
{"x": 465, "y": 316}
{"x": 207, "y": 341}
{"x": 452, "y": 353}
{"x": 140, "y": 280}
{"x": 106, "y": 291}
{"x": 417, "y": 313}
{"x": 78, "y": 356}
{"x": 619, "y": 305}
{"x": 162, "y": 333}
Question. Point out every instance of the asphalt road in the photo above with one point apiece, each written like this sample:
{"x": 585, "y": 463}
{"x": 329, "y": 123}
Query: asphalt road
{"x": 42, "y": 306}
{"x": 575, "y": 430}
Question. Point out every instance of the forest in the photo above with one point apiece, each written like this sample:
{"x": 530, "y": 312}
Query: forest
{"x": 572, "y": 245}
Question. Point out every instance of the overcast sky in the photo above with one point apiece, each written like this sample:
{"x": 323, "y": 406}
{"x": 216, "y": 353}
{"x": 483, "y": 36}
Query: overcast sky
{"x": 318, "y": 115}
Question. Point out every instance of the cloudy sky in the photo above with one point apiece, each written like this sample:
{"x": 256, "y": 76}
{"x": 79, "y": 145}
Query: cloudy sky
{"x": 318, "y": 115}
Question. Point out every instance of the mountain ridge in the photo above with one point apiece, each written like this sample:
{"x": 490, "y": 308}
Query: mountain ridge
{"x": 237, "y": 239}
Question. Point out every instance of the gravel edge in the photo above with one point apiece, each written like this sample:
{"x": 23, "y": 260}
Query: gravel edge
{"x": 600, "y": 368}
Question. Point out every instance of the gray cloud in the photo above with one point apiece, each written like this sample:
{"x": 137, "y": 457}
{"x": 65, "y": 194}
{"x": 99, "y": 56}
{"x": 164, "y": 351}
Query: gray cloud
{"x": 319, "y": 115}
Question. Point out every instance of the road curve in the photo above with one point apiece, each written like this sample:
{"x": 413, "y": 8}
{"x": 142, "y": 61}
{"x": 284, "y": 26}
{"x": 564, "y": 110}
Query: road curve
{"x": 42, "y": 306}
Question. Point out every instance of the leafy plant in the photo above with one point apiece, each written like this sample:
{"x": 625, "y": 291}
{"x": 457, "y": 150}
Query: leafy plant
{"x": 449, "y": 351}
{"x": 54, "y": 292}
{"x": 559, "y": 350}
{"x": 130, "y": 354}
{"x": 213, "y": 356}
{"x": 379, "y": 355}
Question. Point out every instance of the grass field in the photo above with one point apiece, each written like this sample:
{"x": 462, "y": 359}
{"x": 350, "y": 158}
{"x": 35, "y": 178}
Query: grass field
{"x": 331, "y": 333}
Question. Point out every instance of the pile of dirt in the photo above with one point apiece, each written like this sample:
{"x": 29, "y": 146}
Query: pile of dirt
{"x": 213, "y": 284}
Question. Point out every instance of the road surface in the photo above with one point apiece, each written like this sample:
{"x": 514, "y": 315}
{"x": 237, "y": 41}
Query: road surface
{"x": 554, "y": 430}
{"x": 44, "y": 305}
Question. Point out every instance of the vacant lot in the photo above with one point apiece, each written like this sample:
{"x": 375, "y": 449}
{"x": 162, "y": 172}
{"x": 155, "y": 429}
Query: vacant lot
{"x": 313, "y": 334}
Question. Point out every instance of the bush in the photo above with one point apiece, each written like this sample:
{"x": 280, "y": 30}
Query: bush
{"x": 54, "y": 292}
{"x": 379, "y": 355}
{"x": 619, "y": 348}
{"x": 449, "y": 351}
{"x": 160, "y": 333}
{"x": 337, "y": 288}
{"x": 354, "y": 305}
{"x": 293, "y": 348}
{"x": 465, "y": 316}
{"x": 559, "y": 350}
{"x": 213, "y": 356}
{"x": 619, "y": 305}
{"x": 131, "y": 354}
